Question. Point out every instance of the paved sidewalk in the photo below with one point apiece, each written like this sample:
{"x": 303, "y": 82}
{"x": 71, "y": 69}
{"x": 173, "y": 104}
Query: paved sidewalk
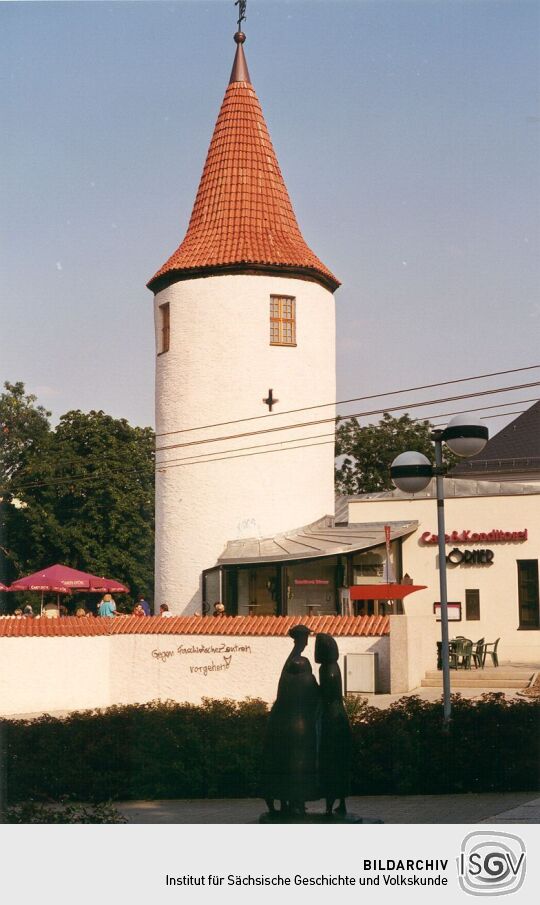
{"x": 435, "y": 694}
{"x": 492, "y": 807}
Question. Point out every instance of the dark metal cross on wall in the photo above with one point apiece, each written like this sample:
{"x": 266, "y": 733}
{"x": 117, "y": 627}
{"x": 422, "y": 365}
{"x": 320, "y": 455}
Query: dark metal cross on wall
{"x": 270, "y": 401}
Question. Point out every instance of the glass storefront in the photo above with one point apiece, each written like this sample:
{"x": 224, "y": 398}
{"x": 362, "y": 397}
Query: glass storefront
{"x": 370, "y": 567}
{"x": 311, "y": 587}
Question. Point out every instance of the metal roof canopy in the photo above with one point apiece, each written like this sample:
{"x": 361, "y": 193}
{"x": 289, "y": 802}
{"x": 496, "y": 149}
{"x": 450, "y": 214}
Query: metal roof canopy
{"x": 320, "y": 539}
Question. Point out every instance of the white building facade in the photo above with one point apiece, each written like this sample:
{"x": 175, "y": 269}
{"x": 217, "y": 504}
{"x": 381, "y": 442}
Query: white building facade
{"x": 493, "y": 552}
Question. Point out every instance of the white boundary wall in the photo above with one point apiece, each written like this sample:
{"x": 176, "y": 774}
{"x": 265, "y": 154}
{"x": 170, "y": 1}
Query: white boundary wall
{"x": 413, "y": 646}
{"x": 40, "y": 675}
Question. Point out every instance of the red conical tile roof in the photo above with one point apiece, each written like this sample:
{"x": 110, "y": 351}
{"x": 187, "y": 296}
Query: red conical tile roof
{"x": 242, "y": 219}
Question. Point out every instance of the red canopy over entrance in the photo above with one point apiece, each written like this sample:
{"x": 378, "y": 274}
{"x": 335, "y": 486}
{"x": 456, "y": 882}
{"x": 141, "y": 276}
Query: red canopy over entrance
{"x": 383, "y": 591}
{"x": 62, "y": 579}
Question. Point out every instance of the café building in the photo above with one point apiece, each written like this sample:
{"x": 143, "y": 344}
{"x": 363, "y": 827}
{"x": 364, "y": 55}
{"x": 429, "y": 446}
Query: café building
{"x": 492, "y": 554}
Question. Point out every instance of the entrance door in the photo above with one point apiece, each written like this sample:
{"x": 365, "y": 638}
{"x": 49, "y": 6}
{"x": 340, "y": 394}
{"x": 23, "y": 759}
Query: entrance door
{"x": 263, "y": 591}
{"x": 529, "y": 608}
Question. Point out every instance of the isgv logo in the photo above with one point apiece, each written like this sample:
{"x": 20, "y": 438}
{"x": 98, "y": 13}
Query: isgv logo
{"x": 491, "y": 864}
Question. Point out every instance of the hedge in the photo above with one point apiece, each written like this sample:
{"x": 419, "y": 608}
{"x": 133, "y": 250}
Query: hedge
{"x": 170, "y": 750}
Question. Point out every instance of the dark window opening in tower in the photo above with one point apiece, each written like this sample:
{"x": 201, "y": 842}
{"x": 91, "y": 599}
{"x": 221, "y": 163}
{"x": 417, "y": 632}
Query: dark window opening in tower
{"x": 164, "y": 328}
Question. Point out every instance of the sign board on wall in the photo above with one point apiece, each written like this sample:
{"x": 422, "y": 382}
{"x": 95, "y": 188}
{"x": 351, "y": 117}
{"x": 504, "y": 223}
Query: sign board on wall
{"x": 311, "y": 581}
{"x": 495, "y": 536}
{"x": 454, "y": 611}
{"x": 458, "y": 557}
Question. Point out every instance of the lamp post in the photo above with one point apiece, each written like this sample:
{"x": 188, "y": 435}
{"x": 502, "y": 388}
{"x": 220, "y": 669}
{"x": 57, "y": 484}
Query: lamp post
{"x": 412, "y": 472}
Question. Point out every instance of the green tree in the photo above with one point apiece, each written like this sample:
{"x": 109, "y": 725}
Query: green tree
{"x": 23, "y": 426}
{"x": 84, "y": 496}
{"x": 370, "y": 450}
{"x": 24, "y": 429}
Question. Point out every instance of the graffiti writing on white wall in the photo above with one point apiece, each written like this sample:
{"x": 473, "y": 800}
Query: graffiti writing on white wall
{"x": 205, "y": 668}
{"x": 226, "y": 650}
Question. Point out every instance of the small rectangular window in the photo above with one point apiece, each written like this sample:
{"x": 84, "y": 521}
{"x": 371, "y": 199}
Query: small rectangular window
{"x": 164, "y": 328}
{"x": 528, "y": 593}
{"x": 282, "y": 320}
{"x": 472, "y": 605}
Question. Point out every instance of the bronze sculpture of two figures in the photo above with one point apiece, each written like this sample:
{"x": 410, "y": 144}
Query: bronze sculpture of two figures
{"x": 308, "y": 741}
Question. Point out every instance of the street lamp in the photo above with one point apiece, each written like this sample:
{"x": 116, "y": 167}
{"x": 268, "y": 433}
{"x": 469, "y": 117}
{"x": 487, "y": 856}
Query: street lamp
{"x": 412, "y": 472}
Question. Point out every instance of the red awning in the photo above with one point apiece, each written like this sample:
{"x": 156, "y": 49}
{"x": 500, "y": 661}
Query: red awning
{"x": 383, "y": 591}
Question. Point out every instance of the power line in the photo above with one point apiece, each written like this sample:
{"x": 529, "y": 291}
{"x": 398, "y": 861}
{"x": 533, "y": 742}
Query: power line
{"x": 426, "y": 386}
{"x": 104, "y": 458}
{"x": 221, "y": 455}
{"x": 365, "y": 414}
{"x": 164, "y": 463}
{"x": 302, "y": 443}
{"x": 517, "y": 412}
{"x": 224, "y": 453}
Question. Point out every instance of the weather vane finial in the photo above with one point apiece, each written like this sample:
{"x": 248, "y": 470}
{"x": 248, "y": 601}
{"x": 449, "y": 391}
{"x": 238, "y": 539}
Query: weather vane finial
{"x": 241, "y": 4}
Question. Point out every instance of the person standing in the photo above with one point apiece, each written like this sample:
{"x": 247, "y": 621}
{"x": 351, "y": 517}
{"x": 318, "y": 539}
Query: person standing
{"x": 144, "y": 604}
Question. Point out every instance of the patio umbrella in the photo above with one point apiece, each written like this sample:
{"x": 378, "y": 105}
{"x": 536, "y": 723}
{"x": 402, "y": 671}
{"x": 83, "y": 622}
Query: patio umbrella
{"x": 63, "y": 579}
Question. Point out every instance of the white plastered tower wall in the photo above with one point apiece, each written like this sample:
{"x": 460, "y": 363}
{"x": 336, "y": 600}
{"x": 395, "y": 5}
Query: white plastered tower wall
{"x": 219, "y": 367}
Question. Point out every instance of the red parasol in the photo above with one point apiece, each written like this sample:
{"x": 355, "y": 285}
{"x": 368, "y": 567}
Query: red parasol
{"x": 63, "y": 579}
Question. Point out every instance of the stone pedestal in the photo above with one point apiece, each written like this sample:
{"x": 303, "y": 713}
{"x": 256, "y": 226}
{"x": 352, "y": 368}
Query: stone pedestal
{"x": 311, "y": 817}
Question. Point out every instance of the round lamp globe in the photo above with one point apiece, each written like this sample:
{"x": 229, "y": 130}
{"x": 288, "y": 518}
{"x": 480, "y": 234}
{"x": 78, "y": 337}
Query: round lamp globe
{"x": 411, "y": 472}
{"x": 465, "y": 436}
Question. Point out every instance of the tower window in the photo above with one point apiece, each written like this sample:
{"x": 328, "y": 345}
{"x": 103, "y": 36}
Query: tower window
{"x": 282, "y": 320}
{"x": 164, "y": 328}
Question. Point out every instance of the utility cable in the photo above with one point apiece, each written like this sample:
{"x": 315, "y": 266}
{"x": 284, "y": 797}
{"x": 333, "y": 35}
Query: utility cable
{"x": 164, "y": 463}
{"x": 426, "y": 386}
{"x": 342, "y": 418}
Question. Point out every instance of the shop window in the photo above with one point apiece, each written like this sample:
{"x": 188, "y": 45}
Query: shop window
{"x": 529, "y": 608}
{"x": 282, "y": 320}
{"x": 370, "y": 567}
{"x": 472, "y": 605}
{"x": 258, "y": 591}
{"x": 164, "y": 336}
{"x": 311, "y": 588}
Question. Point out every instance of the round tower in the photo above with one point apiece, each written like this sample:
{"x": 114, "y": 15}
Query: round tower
{"x": 245, "y": 361}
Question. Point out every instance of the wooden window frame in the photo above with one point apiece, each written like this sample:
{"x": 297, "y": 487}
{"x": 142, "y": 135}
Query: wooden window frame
{"x": 472, "y": 604}
{"x": 282, "y": 327}
{"x": 524, "y": 608}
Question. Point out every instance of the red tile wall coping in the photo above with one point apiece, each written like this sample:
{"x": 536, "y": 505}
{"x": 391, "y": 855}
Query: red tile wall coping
{"x": 242, "y": 213}
{"x": 255, "y": 626}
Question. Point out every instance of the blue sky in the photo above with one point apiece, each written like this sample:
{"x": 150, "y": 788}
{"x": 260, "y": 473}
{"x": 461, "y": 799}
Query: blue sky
{"x": 407, "y": 133}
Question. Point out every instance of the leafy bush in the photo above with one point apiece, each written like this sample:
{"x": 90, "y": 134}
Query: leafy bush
{"x": 170, "y": 750}
{"x": 35, "y": 812}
